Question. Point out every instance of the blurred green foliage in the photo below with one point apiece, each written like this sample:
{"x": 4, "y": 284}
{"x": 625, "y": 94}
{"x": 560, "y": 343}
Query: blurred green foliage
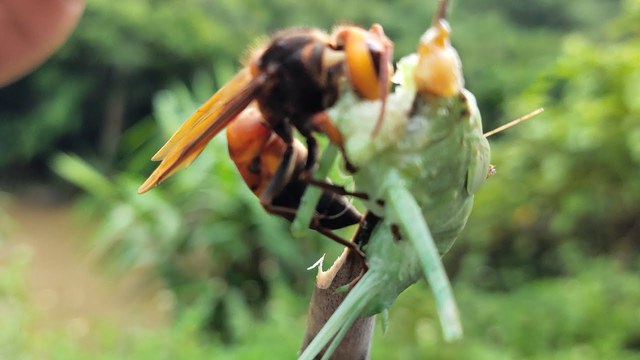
{"x": 203, "y": 233}
{"x": 567, "y": 182}
{"x": 591, "y": 315}
{"x": 566, "y": 188}
{"x": 102, "y": 81}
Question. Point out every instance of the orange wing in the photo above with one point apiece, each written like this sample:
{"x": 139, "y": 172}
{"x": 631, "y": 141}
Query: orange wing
{"x": 213, "y": 116}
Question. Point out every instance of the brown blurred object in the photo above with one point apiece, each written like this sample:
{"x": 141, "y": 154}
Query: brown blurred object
{"x": 31, "y": 30}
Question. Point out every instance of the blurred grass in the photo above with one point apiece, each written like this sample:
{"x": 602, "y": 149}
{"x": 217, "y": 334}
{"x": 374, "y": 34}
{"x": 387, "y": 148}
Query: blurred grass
{"x": 591, "y": 315}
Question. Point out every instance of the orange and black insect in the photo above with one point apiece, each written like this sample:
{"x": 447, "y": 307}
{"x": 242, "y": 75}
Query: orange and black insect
{"x": 293, "y": 80}
{"x": 257, "y": 152}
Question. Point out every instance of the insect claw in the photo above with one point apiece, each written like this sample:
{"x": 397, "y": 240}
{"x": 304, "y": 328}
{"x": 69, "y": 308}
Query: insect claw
{"x": 305, "y": 176}
{"x": 492, "y": 171}
{"x": 352, "y": 169}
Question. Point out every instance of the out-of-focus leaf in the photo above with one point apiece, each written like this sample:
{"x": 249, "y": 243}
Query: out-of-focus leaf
{"x": 80, "y": 173}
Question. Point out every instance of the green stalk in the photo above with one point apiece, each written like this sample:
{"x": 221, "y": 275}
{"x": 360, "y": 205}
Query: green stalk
{"x": 301, "y": 223}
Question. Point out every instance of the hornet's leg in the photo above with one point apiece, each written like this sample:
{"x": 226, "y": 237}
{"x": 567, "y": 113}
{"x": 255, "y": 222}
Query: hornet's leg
{"x": 285, "y": 170}
{"x": 315, "y": 225}
{"x": 367, "y": 225}
{"x": 336, "y": 189}
{"x": 312, "y": 150}
{"x": 322, "y": 123}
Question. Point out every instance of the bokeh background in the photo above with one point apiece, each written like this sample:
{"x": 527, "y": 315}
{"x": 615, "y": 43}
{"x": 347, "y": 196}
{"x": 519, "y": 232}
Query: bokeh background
{"x": 546, "y": 269}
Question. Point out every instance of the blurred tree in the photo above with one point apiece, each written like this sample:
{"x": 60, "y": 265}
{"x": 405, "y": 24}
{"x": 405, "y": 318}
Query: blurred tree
{"x": 103, "y": 79}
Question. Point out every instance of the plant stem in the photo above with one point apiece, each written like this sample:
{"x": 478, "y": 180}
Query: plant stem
{"x": 326, "y": 299}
